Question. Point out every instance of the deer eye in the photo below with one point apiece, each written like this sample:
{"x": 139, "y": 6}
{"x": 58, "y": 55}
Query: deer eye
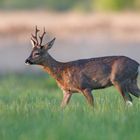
{"x": 36, "y": 54}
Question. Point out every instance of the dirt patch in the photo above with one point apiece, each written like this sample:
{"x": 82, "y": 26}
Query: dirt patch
{"x": 124, "y": 26}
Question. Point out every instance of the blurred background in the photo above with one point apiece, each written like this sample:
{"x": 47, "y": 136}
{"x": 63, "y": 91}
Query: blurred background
{"x": 83, "y": 29}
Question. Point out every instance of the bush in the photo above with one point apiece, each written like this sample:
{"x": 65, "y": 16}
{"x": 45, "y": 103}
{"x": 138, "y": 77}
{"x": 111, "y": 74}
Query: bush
{"x": 114, "y": 4}
{"x": 65, "y": 5}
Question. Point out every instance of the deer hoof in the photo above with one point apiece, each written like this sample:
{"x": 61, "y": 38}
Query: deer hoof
{"x": 129, "y": 103}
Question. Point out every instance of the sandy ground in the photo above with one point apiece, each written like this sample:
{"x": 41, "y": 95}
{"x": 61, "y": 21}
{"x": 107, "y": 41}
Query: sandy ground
{"x": 117, "y": 25}
{"x": 78, "y": 36}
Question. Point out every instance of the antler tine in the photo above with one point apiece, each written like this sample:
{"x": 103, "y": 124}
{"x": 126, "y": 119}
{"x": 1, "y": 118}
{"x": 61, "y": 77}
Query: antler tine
{"x": 34, "y": 41}
{"x": 36, "y": 31}
{"x": 34, "y": 37}
{"x": 41, "y": 37}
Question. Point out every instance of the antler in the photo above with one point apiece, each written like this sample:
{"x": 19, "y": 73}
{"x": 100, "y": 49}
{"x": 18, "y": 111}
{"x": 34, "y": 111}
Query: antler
{"x": 34, "y": 37}
{"x": 41, "y": 37}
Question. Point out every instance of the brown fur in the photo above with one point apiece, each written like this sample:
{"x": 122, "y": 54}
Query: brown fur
{"x": 86, "y": 75}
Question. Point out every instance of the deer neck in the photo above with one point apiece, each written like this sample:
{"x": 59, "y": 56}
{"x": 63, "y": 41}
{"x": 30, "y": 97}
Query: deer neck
{"x": 52, "y": 66}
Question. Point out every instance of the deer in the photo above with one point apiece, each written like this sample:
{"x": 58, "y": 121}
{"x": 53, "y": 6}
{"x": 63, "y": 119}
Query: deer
{"x": 85, "y": 75}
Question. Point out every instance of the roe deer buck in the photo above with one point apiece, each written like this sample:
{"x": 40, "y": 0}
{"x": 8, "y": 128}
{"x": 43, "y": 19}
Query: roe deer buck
{"x": 86, "y": 75}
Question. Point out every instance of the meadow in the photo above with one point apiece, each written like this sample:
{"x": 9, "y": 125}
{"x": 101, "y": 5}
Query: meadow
{"x": 30, "y": 109}
{"x": 30, "y": 102}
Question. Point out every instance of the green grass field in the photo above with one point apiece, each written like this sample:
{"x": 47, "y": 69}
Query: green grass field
{"x": 30, "y": 110}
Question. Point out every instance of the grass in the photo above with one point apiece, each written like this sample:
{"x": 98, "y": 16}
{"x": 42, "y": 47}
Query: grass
{"x": 29, "y": 109}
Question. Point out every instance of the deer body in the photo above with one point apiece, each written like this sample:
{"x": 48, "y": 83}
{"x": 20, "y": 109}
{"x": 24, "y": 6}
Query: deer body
{"x": 91, "y": 73}
{"x": 86, "y": 75}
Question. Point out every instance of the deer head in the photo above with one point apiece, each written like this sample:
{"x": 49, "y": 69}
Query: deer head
{"x": 39, "y": 51}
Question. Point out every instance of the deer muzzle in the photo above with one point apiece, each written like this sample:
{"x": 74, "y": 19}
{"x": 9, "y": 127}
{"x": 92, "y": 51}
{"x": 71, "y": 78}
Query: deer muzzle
{"x": 28, "y": 61}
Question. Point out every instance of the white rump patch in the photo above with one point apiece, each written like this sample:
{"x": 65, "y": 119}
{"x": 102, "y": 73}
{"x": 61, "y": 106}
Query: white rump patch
{"x": 129, "y": 103}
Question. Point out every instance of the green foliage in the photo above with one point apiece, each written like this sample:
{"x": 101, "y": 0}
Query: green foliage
{"x": 37, "y": 4}
{"x": 136, "y": 5}
{"x": 112, "y": 4}
{"x": 60, "y": 5}
{"x": 65, "y": 5}
{"x": 29, "y": 109}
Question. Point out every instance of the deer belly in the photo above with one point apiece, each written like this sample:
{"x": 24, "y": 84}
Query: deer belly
{"x": 101, "y": 83}
{"x": 78, "y": 82}
{"x": 84, "y": 83}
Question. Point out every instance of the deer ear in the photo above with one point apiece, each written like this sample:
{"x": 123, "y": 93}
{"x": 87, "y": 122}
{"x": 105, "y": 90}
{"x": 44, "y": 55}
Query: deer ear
{"x": 49, "y": 44}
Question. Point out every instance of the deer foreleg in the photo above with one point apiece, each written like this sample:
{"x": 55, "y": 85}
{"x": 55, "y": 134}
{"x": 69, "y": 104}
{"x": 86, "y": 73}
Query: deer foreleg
{"x": 66, "y": 98}
{"x": 89, "y": 97}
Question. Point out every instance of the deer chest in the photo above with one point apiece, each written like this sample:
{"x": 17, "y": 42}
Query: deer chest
{"x": 68, "y": 82}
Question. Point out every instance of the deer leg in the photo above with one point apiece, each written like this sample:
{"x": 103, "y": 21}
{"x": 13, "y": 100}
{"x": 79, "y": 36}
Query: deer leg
{"x": 66, "y": 98}
{"x": 89, "y": 97}
{"x": 127, "y": 98}
{"x": 134, "y": 89}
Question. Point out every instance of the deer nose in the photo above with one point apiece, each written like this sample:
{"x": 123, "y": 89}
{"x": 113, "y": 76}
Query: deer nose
{"x": 27, "y": 61}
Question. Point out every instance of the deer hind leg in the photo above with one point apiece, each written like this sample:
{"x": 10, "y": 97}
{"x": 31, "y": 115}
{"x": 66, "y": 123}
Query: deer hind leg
{"x": 126, "y": 96}
{"x": 88, "y": 96}
{"x": 134, "y": 89}
{"x": 66, "y": 98}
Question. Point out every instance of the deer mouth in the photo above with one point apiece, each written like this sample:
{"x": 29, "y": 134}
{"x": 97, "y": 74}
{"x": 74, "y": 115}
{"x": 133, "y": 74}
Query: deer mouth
{"x": 28, "y": 62}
